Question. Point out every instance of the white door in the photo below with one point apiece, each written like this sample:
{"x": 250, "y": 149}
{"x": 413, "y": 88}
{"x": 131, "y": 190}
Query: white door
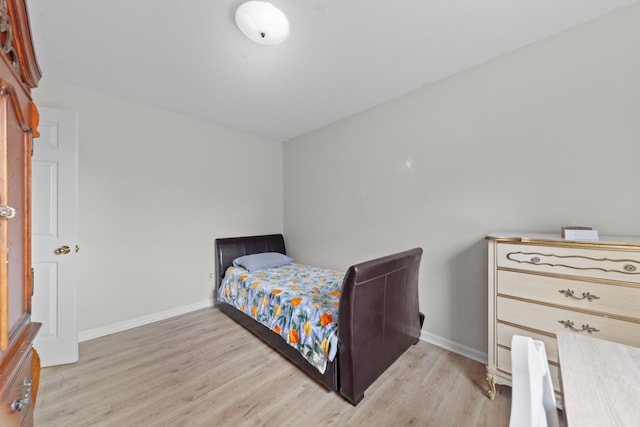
{"x": 54, "y": 233}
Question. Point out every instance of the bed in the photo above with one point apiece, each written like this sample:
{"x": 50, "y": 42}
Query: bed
{"x": 378, "y": 316}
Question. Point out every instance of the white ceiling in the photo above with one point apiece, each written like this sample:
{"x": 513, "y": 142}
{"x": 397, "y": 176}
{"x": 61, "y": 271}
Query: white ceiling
{"x": 341, "y": 57}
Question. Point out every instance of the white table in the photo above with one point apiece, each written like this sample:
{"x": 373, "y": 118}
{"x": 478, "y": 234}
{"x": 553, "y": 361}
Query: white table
{"x": 600, "y": 381}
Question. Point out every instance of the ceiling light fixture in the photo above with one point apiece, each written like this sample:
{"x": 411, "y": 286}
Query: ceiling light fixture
{"x": 262, "y": 22}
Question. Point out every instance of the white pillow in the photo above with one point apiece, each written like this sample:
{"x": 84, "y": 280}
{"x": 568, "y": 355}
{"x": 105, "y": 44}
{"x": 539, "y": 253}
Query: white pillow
{"x": 262, "y": 260}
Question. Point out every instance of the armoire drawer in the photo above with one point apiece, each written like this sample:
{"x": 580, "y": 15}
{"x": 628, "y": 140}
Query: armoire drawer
{"x": 617, "y": 300}
{"x": 547, "y": 319}
{"x": 16, "y": 400}
{"x": 595, "y": 263}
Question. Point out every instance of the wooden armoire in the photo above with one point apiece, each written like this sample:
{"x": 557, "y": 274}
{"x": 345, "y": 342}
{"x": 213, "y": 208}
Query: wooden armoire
{"x": 19, "y": 73}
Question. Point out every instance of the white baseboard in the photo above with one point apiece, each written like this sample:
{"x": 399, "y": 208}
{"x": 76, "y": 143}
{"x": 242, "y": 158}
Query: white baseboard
{"x": 455, "y": 347}
{"x": 140, "y": 321}
{"x": 102, "y": 331}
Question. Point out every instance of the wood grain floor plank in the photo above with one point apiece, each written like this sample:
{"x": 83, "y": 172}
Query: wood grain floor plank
{"x": 203, "y": 369}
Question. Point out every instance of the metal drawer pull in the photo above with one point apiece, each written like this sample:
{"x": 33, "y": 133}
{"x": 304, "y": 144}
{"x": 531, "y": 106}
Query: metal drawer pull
{"x": 7, "y": 212}
{"x": 629, "y": 267}
{"x": 585, "y": 328}
{"x": 585, "y": 295}
{"x": 20, "y": 404}
{"x": 535, "y": 259}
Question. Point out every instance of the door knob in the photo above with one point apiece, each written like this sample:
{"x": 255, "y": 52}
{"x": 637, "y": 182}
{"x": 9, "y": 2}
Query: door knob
{"x": 63, "y": 250}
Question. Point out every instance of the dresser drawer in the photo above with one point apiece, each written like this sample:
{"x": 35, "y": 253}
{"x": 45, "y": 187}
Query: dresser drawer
{"x": 16, "y": 401}
{"x": 506, "y": 332}
{"x": 617, "y": 300}
{"x": 504, "y": 364}
{"x": 546, "y": 319}
{"x": 595, "y": 263}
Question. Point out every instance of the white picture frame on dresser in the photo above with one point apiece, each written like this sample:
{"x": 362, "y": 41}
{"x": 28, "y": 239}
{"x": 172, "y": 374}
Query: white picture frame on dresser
{"x": 539, "y": 283}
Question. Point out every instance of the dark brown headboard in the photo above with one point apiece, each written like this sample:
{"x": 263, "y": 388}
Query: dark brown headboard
{"x": 230, "y": 248}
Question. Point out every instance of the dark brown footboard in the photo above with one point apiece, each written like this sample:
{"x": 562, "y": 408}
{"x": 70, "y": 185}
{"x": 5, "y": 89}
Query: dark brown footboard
{"x": 379, "y": 319}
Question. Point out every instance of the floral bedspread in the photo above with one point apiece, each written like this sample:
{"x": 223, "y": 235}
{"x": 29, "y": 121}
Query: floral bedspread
{"x": 298, "y": 302}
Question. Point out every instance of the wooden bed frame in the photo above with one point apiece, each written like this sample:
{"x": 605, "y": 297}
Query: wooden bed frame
{"x": 378, "y": 318}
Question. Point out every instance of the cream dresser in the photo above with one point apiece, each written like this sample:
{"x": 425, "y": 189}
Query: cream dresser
{"x": 541, "y": 283}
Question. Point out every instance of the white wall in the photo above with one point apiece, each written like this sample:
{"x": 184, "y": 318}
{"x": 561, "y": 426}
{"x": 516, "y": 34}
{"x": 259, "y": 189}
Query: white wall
{"x": 546, "y": 136}
{"x": 156, "y": 188}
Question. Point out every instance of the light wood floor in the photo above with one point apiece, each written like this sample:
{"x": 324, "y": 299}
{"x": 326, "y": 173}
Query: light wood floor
{"x": 202, "y": 369}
